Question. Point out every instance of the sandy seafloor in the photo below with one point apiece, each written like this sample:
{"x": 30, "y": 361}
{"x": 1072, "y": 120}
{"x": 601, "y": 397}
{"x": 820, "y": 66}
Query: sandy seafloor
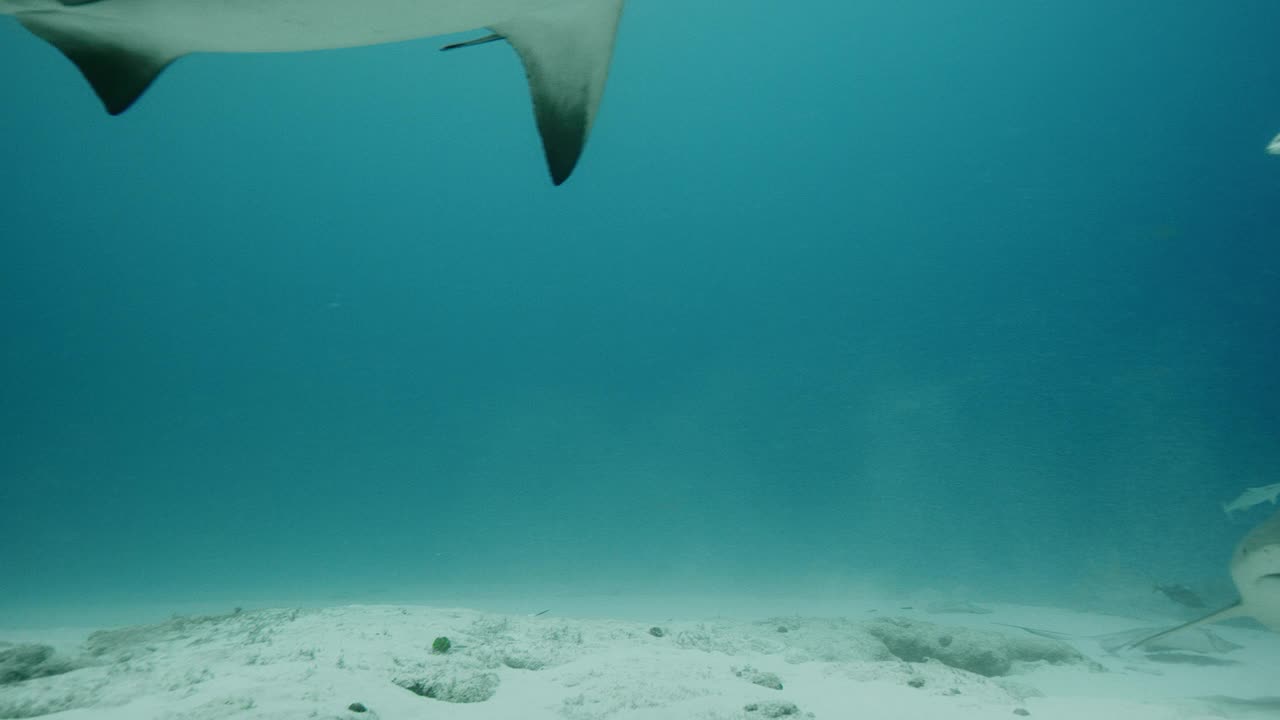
{"x": 891, "y": 660}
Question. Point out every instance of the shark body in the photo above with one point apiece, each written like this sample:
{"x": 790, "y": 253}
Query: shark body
{"x": 120, "y": 46}
{"x": 1257, "y": 495}
{"x": 1255, "y": 570}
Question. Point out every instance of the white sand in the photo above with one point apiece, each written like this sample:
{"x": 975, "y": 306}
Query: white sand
{"x": 280, "y": 664}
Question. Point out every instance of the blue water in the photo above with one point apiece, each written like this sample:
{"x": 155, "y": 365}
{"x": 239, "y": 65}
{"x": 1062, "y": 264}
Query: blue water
{"x": 920, "y": 295}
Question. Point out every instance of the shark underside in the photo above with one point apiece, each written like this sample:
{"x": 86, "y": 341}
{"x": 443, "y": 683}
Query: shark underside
{"x": 121, "y": 46}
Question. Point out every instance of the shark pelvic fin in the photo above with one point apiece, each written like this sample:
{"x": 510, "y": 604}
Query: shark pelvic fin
{"x": 566, "y": 52}
{"x": 119, "y": 71}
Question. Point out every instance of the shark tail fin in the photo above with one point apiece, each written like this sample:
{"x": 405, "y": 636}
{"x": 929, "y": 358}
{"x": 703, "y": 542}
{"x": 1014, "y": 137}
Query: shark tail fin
{"x": 566, "y": 51}
{"x": 1226, "y": 613}
{"x": 119, "y": 69}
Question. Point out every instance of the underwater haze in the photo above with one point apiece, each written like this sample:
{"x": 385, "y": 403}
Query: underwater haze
{"x": 975, "y": 297}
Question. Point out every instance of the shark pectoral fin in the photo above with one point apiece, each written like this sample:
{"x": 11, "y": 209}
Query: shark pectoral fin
{"x": 566, "y": 52}
{"x": 119, "y": 71}
{"x": 1226, "y": 613}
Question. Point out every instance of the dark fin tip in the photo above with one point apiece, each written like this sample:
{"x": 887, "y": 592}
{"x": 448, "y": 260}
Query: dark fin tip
{"x": 564, "y": 134}
{"x": 117, "y": 76}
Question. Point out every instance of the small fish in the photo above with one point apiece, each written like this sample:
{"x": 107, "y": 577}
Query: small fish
{"x": 1274, "y": 147}
{"x": 1180, "y": 594}
{"x": 1258, "y": 495}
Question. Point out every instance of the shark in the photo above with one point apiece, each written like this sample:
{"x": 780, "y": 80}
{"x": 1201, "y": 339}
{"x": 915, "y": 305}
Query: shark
{"x": 1257, "y": 495}
{"x": 1255, "y": 570}
{"x": 121, "y": 46}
